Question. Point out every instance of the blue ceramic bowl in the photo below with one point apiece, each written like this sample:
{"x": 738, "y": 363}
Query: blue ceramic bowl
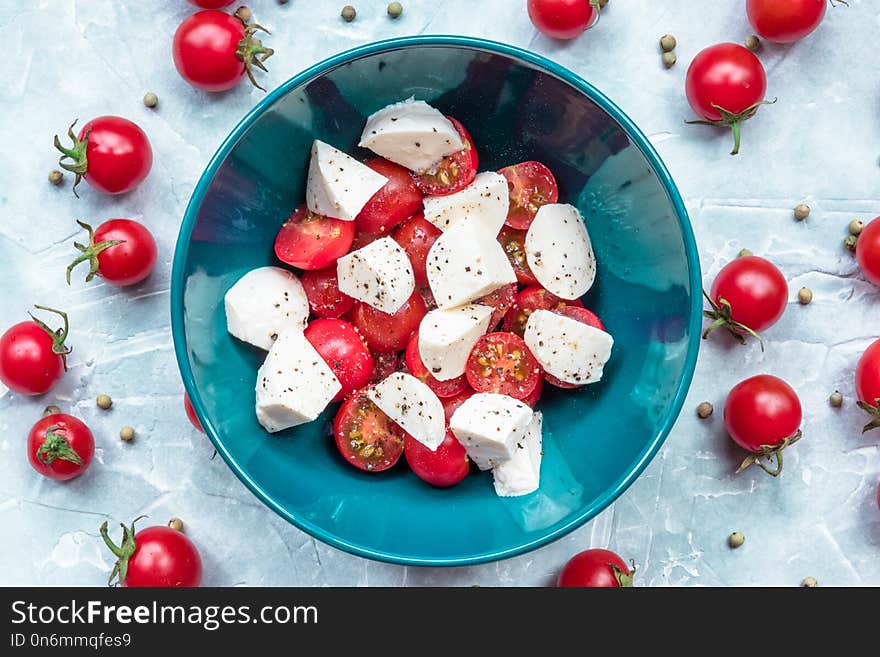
{"x": 517, "y": 106}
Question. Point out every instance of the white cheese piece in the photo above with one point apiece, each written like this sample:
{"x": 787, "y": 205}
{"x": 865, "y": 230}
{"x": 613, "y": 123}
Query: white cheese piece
{"x": 486, "y": 200}
{"x": 559, "y": 252}
{"x": 413, "y": 406}
{"x": 379, "y": 274}
{"x": 489, "y": 426}
{"x": 339, "y": 186}
{"x": 294, "y": 384}
{"x": 566, "y": 348}
{"x": 465, "y": 263}
{"x": 521, "y": 475}
{"x": 411, "y": 133}
{"x": 263, "y": 303}
{"x": 446, "y": 338}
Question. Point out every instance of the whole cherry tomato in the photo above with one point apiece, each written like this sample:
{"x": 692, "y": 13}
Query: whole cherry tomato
{"x": 33, "y": 356}
{"x": 155, "y": 556}
{"x": 213, "y": 51}
{"x": 191, "y": 413}
{"x": 784, "y": 21}
{"x": 121, "y": 251}
{"x": 596, "y": 568}
{"x": 563, "y": 19}
{"x": 344, "y": 351}
{"x": 868, "y": 251}
{"x": 111, "y": 153}
{"x": 868, "y": 384}
{"x": 725, "y": 85}
{"x": 60, "y": 447}
{"x": 211, "y": 4}
{"x": 763, "y": 416}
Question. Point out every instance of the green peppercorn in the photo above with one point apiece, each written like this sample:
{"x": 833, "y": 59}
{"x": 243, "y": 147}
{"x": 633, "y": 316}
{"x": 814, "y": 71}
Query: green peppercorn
{"x": 669, "y": 59}
{"x": 836, "y": 399}
{"x": 151, "y": 99}
{"x": 856, "y": 226}
{"x": 805, "y": 296}
{"x": 127, "y": 434}
{"x": 810, "y": 582}
{"x": 704, "y": 410}
{"x": 55, "y": 177}
{"x": 51, "y": 410}
{"x": 850, "y": 242}
{"x": 736, "y": 539}
{"x": 176, "y": 524}
{"x": 104, "y": 401}
{"x": 801, "y": 211}
{"x": 667, "y": 43}
{"x": 395, "y": 9}
{"x": 744, "y": 253}
{"x": 348, "y": 13}
{"x": 244, "y": 14}
{"x": 753, "y": 43}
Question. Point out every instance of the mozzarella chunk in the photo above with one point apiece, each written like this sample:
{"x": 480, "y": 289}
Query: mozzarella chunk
{"x": 379, "y": 274}
{"x": 559, "y": 252}
{"x": 413, "y": 406}
{"x": 466, "y": 263}
{"x": 339, "y": 186}
{"x": 411, "y": 133}
{"x": 521, "y": 475}
{"x": 486, "y": 200}
{"x": 263, "y": 303}
{"x": 446, "y": 338}
{"x": 489, "y": 426}
{"x": 294, "y": 384}
{"x": 566, "y": 348}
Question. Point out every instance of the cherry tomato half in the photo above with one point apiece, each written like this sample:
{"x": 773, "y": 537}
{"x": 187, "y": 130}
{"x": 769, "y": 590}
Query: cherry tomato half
{"x": 386, "y": 362}
{"x": 322, "y": 290}
{"x": 60, "y": 447}
{"x": 502, "y": 363}
{"x": 444, "y": 467}
{"x": 562, "y": 19}
{"x": 312, "y": 241}
{"x": 501, "y": 300}
{"x": 156, "y": 557}
{"x": 121, "y": 251}
{"x": 451, "y": 404}
{"x": 416, "y": 236}
{"x": 455, "y": 172}
{"x": 399, "y": 199}
{"x": 384, "y": 332}
{"x": 344, "y": 350}
{"x": 32, "y": 356}
{"x": 530, "y": 185}
{"x": 513, "y": 241}
{"x": 528, "y": 300}
{"x": 418, "y": 369}
{"x": 595, "y": 568}
{"x": 868, "y": 251}
{"x": 785, "y": 21}
{"x": 367, "y": 438}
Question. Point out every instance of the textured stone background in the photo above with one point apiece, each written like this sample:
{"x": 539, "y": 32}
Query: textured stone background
{"x": 819, "y": 144}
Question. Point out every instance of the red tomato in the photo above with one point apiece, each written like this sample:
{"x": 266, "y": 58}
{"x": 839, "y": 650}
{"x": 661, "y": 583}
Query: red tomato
{"x": 763, "y": 416}
{"x": 155, "y": 556}
{"x": 428, "y": 297}
{"x": 455, "y": 172}
{"x": 501, "y": 300}
{"x": 725, "y": 86}
{"x": 868, "y": 251}
{"x": 443, "y": 468}
{"x": 386, "y": 362}
{"x": 367, "y": 438}
{"x": 784, "y": 21}
{"x": 111, "y": 153}
{"x": 343, "y": 349}
{"x": 399, "y": 199}
{"x": 451, "y": 404}
{"x": 322, "y": 290}
{"x": 417, "y": 236}
{"x": 596, "y": 568}
{"x": 121, "y": 251}
{"x": 191, "y": 413}
{"x": 214, "y": 50}
{"x": 535, "y": 395}
{"x": 868, "y": 383}
{"x": 32, "y": 356}
{"x": 60, "y": 447}
{"x": 563, "y": 19}
{"x": 419, "y": 370}
{"x": 502, "y": 363}
{"x": 312, "y": 241}
{"x": 584, "y": 316}
{"x": 530, "y": 185}
{"x": 362, "y": 239}
{"x": 514, "y": 243}
{"x": 384, "y": 332}
{"x": 748, "y": 295}
{"x": 211, "y": 4}
{"x": 527, "y": 301}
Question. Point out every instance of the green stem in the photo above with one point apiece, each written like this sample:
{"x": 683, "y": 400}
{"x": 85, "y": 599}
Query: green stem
{"x": 59, "y": 336}
{"x": 77, "y": 153}
{"x": 252, "y": 52}
{"x": 735, "y": 126}
{"x": 769, "y": 451}
{"x": 56, "y": 446}
{"x": 722, "y": 315}
{"x": 90, "y": 253}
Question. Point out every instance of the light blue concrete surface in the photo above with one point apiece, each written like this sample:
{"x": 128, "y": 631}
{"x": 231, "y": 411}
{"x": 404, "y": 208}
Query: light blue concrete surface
{"x": 819, "y": 144}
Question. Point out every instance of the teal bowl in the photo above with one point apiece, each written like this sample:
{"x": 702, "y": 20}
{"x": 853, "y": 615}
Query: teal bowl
{"x": 517, "y": 106}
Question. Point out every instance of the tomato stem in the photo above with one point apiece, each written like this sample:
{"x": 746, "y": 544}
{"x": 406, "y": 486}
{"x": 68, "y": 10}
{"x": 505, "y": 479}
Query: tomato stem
{"x": 721, "y": 313}
{"x": 873, "y": 411}
{"x": 769, "y": 451}
{"x": 733, "y": 120}
{"x": 251, "y": 50}
{"x": 77, "y": 153}
{"x": 624, "y": 579}
{"x": 58, "y": 336}
{"x": 122, "y": 552}
{"x": 90, "y": 252}
{"x": 55, "y": 446}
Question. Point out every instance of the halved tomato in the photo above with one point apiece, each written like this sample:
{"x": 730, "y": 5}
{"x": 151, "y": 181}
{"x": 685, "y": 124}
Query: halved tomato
{"x": 386, "y": 362}
{"x": 455, "y": 172}
{"x": 443, "y": 467}
{"x": 514, "y": 243}
{"x": 502, "y": 363}
{"x": 361, "y": 239}
{"x": 530, "y": 185}
{"x": 399, "y": 199}
{"x": 418, "y": 369}
{"x": 322, "y": 290}
{"x": 502, "y": 300}
{"x": 312, "y": 241}
{"x": 528, "y": 300}
{"x": 367, "y": 438}
{"x": 451, "y": 404}
{"x": 535, "y": 394}
{"x": 416, "y": 236}
{"x": 384, "y": 332}
{"x": 584, "y": 316}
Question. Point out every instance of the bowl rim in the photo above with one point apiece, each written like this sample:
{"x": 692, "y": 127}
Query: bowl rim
{"x": 548, "y": 66}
